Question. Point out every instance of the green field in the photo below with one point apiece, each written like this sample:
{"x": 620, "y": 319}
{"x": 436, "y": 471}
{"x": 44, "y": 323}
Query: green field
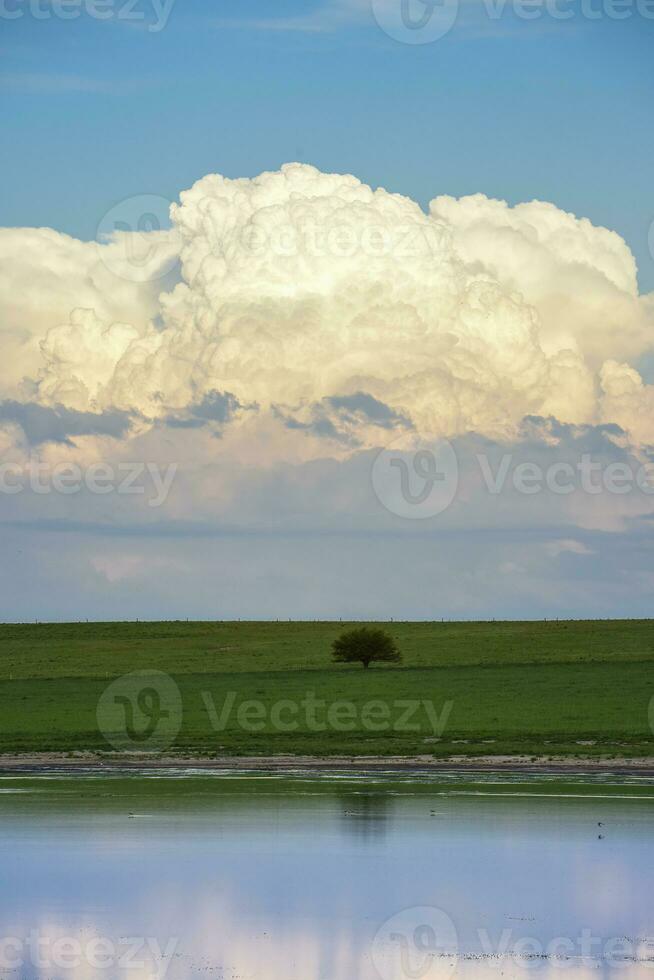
{"x": 534, "y": 689}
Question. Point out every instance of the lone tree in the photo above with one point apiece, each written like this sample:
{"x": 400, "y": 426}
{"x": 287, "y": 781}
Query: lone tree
{"x": 363, "y": 645}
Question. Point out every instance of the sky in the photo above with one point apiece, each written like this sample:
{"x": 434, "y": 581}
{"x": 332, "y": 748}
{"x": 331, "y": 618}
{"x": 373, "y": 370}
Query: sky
{"x": 272, "y": 394}
{"x": 95, "y": 111}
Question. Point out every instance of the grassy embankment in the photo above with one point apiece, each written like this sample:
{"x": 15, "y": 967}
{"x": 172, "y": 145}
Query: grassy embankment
{"x": 535, "y": 689}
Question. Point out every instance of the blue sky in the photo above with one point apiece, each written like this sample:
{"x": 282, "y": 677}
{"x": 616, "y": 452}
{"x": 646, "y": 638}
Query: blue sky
{"x": 513, "y": 332}
{"x": 96, "y": 111}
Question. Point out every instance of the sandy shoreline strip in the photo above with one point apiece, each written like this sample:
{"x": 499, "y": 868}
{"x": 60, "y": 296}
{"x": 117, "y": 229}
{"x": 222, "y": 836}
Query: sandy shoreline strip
{"x": 86, "y": 763}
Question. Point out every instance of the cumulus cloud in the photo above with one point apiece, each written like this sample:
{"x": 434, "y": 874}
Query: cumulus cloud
{"x": 307, "y": 320}
{"x": 581, "y": 279}
{"x": 62, "y": 301}
{"x": 342, "y": 310}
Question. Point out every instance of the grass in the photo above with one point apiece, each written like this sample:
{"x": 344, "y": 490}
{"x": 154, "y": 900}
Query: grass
{"x": 536, "y": 689}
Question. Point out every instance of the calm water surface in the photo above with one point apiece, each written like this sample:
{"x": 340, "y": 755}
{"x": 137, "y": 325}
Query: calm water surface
{"x": 262, "y": 878}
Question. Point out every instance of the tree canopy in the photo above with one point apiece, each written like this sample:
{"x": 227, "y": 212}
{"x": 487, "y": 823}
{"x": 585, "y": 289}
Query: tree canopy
{"x": 365, "y": 644}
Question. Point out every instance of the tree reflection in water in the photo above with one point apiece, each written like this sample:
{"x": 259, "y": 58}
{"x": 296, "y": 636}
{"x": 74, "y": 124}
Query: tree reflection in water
{"x": 365, "y": 814}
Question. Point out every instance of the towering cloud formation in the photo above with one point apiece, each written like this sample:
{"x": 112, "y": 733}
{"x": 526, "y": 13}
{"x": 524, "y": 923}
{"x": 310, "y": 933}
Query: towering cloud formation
{"x": 338, "y": 309}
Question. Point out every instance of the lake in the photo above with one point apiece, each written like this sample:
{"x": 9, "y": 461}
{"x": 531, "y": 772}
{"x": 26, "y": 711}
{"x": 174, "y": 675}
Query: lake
{"x": 305, "y": 878}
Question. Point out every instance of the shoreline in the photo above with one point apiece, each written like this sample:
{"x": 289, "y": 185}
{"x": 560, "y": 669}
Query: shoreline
{"x": 50, "y": 763}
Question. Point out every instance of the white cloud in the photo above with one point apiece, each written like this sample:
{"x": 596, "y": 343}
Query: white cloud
{"x": 299, "y": 286}
{"x": 302, "y": 291}
{"x": 47, "y": 281}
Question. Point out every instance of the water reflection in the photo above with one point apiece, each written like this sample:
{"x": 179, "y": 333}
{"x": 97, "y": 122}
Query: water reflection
{"x": 260, "y": 881}
{"x": 365, "y": 814}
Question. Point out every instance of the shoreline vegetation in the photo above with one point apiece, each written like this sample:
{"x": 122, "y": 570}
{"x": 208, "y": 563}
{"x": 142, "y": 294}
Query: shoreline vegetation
{"x": 515, "y": 693}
